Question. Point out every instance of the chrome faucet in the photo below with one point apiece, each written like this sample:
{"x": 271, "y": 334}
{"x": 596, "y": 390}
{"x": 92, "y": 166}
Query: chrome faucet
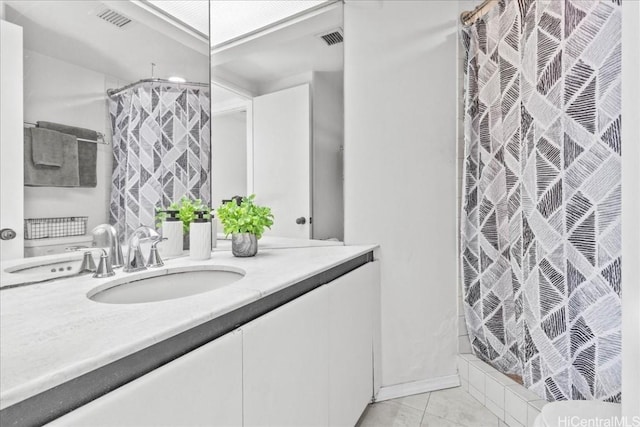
{"x": 106, "y": 236}
{"x": 135, "y": 261}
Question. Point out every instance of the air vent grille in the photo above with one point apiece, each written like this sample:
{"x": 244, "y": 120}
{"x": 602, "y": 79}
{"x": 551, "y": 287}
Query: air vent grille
{"x": 332, "y": 37}
{"x": 113, "y": 17}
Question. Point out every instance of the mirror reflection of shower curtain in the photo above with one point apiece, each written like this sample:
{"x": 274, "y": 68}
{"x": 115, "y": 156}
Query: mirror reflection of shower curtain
{"x": 161, "y": 151}
{"x": 540, "y": 221}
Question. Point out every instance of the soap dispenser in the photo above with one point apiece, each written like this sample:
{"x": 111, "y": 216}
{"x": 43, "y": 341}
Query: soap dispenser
{"x": 172, "y": 231}
{"x": 214, "y": 231}
{"x": 200, "y": 237}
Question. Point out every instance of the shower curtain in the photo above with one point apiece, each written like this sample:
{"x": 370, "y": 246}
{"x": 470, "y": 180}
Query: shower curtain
{"x": 540, "y": 220}
{"x": 161, "y": 151}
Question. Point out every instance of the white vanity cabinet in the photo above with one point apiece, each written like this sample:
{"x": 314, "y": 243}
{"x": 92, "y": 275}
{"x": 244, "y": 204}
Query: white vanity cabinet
{"x": 309, "y": 362}
{"x": 201, "y": 388}
{"x": 306, "y": 363}
{"x": 352, "y": 317}
{"x": 286, "y": 366}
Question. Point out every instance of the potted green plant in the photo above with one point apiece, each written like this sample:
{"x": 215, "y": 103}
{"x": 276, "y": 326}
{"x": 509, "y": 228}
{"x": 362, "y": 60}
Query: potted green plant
{"x": 246, "y": 222}
{"x": 187, "y": 209}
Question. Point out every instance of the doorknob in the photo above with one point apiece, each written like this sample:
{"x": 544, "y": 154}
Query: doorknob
{"x": 7, "y": 234}
{"x": 301, "y": 220}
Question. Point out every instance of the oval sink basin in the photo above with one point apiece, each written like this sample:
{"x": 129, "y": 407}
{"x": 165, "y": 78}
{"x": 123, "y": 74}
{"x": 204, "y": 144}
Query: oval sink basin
{"x": 164, "y": 286}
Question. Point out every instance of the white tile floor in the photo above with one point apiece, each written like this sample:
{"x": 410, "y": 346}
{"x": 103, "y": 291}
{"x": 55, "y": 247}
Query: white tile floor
{"x": 443, "y": 408}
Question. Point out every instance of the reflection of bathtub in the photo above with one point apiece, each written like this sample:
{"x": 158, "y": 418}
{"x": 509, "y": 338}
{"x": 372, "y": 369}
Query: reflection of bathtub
{"x": 40, "y": 269}
{"x": 55, "y": 245}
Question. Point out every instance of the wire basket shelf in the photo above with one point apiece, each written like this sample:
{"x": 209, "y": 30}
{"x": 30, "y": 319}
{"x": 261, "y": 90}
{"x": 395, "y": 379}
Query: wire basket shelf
{"x": 44, "y": 228}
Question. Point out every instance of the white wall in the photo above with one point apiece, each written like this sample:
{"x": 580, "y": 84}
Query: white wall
{"x": 229, "y": 156}
{"x": 61, "y": 92}
{"x": 400, "y": 174}
{"x": 630, "y": 208}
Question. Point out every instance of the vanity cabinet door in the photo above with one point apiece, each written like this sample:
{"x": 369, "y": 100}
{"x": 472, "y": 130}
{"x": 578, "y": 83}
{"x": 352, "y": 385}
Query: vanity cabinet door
{"x": 202, "y": 388}
{"x": 286, "y": 369}
{"x": 351, "y": 326}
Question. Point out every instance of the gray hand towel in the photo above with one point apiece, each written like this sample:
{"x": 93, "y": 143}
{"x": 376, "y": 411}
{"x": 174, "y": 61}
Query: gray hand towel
{"x": 87, "y": 151}
{"x": 46, "y": 147}
{"x": 45, "y": 176}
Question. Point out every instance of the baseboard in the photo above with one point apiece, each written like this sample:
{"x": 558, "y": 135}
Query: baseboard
{"x": 416, "y": 387}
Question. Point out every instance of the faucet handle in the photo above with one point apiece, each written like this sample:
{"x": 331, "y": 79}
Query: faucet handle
{"x": 104, "y": 268}
{"x": 88, "y": 265}
{"x": 154, "y": 256}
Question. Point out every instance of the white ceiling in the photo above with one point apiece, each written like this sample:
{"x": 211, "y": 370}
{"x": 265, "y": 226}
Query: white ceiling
{"x": 290, "y": 49}
{"x": 231, "y": 19}
{"x": 71, "y": 31}
{"x": 193, "y": 13}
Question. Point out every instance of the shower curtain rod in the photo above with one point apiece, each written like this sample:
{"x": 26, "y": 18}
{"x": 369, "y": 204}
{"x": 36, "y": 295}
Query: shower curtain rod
{"x": 471, "y": 16}
{"x": 112, "y": 92}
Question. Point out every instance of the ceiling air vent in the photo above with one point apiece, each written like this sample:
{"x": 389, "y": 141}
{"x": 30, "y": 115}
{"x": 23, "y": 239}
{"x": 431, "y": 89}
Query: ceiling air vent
{"x": 113, "y": 17}
{"x": 332, "y": 37}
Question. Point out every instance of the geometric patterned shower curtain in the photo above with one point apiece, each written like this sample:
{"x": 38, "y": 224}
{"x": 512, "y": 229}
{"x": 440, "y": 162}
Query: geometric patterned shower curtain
{"x": 161, "y": 151}
{"x": 540, "y": 220}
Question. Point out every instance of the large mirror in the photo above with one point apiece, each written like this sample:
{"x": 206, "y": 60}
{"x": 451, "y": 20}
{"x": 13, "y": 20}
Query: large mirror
{"x": 266, "y": 92}
{"x": 277, "y": 111}
{"x": 73, "y": 53}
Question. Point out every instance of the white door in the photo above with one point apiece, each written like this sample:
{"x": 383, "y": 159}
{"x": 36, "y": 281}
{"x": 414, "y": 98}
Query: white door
{"x": 281, "y": 159}
{"x": 11, "y": 167}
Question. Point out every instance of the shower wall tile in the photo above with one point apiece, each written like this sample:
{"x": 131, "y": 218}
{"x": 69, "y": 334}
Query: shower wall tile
{"x": 476, "y": 378}
{"x": 495, "y": 408}
{"x": 512, "y": 403}
{"x": 477, "y": 394}
{"x": 523, "y": 393}
{"x": 512, "y": 422}
{"x": 464, "y": 345}
{"x": 482, "y": 366}
{"x": 469, "y": 357}
{"x": 500, "y": 378}
{"x": 494, "y": 392}
{"x": 515, "y": 406}
{"x": 532, "y": 413}
{"x": 537, "y": 405}
{"x": 462, "y": 326}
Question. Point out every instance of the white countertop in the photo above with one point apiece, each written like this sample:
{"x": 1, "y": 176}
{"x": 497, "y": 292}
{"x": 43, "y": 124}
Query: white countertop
{"x": 51, "y": 332}
{"x": 223, "y": 244}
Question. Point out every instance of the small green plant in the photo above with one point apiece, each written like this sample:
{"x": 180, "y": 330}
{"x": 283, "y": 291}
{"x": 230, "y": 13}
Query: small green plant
{"x": 186, "y": 208}
{"x": 246, "y": 217}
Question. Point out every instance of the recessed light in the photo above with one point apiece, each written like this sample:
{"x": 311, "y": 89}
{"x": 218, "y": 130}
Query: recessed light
{"x": 176, "y": 79}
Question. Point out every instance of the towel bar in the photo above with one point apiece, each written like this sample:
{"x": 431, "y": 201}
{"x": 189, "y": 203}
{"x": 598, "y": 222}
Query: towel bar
{"x": 101, "y": 139}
